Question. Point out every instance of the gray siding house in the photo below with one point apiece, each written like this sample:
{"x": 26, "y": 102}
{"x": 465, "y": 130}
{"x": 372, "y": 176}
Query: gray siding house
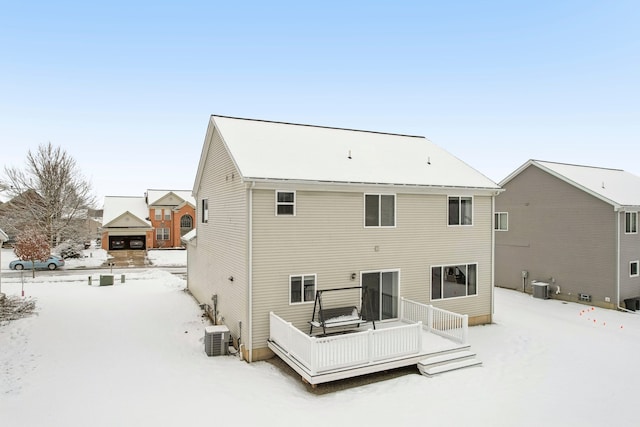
{"x": 284, "y": 210}
{"x": 572, "y": 227}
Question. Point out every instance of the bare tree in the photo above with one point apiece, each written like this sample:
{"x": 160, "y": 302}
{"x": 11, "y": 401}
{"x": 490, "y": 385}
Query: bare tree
{"x": 63, "y": 191}
{"x": 32, "y": 245}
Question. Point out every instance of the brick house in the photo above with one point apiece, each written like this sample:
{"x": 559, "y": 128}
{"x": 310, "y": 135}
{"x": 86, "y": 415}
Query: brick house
{"x": 157, "y": 220}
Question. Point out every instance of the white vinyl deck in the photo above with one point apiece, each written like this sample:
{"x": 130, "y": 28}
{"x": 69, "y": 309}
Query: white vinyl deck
{"x": 421, "y": 331}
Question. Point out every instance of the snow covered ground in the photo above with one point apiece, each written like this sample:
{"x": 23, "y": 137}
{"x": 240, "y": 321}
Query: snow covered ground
{"x": 132, "y": 354}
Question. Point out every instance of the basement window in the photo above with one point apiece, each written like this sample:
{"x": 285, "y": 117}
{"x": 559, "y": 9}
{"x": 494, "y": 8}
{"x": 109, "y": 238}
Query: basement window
{"x": 633, "y": 268}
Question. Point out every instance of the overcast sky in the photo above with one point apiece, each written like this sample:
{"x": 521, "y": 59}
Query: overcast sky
{"x": 127, "y": 88}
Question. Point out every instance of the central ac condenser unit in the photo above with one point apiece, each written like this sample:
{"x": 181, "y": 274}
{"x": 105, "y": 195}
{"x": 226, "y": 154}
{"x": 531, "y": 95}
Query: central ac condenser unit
{"x": 540, "y": 289}
{"x": 216, "y": 340}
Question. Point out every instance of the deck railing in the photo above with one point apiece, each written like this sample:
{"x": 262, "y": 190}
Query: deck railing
{"x": 441, "y": 322}
{"x": 319, "y": 354}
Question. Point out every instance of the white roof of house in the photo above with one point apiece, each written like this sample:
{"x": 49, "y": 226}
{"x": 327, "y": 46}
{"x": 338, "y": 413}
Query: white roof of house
{"x": 189, "y": 236}
{"x": 154, "y": 195}
{"x": 115, "y": 206}
{"x": 264, "y": 150}
{"x": 614, "y": 186}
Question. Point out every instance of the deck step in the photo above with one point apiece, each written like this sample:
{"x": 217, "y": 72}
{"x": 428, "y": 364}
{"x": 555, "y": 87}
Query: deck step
{"x": 447, "y": 362}
{"x": 450, "y": 367}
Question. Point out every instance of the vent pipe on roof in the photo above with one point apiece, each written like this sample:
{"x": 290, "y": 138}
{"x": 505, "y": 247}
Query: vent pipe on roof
{"x": 349, "y": 156}
{"x": 429, "y": 160}
{"x": 602, "y": 184}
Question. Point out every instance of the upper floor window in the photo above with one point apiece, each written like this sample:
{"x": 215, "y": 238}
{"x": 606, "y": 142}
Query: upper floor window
{"x": 285, "y": 203}
{"x": 302, "y": 288}
{"x": 167, "y": 214}
{"x": 186, "y": 221}
{"x": 630, "y": 222}
{"x": 205, "y": 210}
{"x": 158, "y": 215}
{"x": 379, "y": 210}
{"x": 452, "y": 281}
{"x": 460, "y": 210}
{"x": 501, "y": 221}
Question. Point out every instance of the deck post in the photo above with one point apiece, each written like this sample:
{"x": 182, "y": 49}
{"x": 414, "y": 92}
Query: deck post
{"x": 429, "y": 318}
{"x": 420, "y": 336}
{"x": 465, "y": 329}
{"x": 313, "y": 356}
{"x": 370, "y": 344}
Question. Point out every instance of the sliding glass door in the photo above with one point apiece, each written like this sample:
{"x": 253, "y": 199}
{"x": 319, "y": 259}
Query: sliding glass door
{"x": 380, "y": 289}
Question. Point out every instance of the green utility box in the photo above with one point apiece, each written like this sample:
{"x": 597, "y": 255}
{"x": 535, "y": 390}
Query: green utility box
{"x": 106, "y": 280}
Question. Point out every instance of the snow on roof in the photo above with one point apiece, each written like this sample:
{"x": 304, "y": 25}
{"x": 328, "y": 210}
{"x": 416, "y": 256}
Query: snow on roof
{"x": 3, "y": 236}
{"x": 154, "y": 195}
{"x": 266, "y": 150}
{"x": 114, "y": 206}
{"x": 615, "y": 186}
{"x": 189, "y": 236}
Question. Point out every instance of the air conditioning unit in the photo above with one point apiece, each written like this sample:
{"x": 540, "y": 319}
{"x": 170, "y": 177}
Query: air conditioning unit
{"x": 540, "y": 289}
{"x": 216, "y": 340}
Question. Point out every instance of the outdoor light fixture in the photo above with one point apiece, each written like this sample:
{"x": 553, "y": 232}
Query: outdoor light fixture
{"x": 353, "y": 276}
{"x": 231, "y": 278}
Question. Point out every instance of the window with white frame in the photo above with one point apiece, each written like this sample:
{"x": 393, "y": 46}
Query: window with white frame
{"x": 454, "y": 281}
{"x": 285, "y": 203}
{"x": 501, "y": 221}
{"x": 631, "y": 222}
{"x": 302, "y": 288}
{"x": 633, "y": 268}
{"x": 158, "y": 215}
{"x": 205, "y": 210}
{"x": 162, "y": 234}
{"x": 167, "y": 214}
{"x": 379, "y": 210}
{"x": 460, "y": 210}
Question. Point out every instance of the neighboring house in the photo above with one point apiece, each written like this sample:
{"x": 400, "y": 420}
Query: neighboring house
{"x": 19, "y": 213}
{"x": 572, "y": 227}
{"x": 157, "y": 220}
{"x": 287, "y": 209}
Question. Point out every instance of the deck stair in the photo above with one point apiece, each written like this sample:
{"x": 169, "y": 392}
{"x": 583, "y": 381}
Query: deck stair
{"x": 447, "y": 362}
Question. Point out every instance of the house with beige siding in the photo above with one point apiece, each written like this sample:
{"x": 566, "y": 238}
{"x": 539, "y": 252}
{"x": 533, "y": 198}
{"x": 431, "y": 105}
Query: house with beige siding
{"x": 571, "y": 229}
{"x": 285, "y": 210}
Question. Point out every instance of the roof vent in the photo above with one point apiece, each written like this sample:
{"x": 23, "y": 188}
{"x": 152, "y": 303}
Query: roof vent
{"x": 349, "y": 156}
{"x": 429, "y": 160}
{"x": 603, "y": 184}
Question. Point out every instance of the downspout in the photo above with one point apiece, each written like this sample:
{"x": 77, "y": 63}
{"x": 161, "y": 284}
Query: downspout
{"x": 250, "y": 270}
{"x": 618, "y": 263}
{"x": 493, "y": 254}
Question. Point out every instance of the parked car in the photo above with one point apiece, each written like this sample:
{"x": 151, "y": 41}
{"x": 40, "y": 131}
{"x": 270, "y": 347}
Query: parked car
{"x": 50, "y": 263}
{"x": 136, "y": 244}
{"x": 117, "y": 244}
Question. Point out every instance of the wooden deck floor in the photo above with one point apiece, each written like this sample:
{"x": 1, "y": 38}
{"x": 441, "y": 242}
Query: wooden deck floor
{"x": 431, "y": 345}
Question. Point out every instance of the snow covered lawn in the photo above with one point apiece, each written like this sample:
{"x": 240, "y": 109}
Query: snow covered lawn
{"x": 132, "y": 354}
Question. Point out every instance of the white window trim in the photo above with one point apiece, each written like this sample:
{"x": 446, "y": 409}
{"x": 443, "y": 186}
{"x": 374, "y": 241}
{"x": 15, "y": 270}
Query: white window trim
{"x": 473, "y": 210}
{"x": 495, "y": 225}
{"x": 168, "y": 234}
{"x": 637, "y": 268}
{"x": 395, "y": 210}
{"x": 166, "y": 214}
{"x": 441, "y": 276}
{"x": 295, "y": 199}
{"x": 625, "y": 222}
{"x": 157, "y": 214}
{"x": 315, "y": 288}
